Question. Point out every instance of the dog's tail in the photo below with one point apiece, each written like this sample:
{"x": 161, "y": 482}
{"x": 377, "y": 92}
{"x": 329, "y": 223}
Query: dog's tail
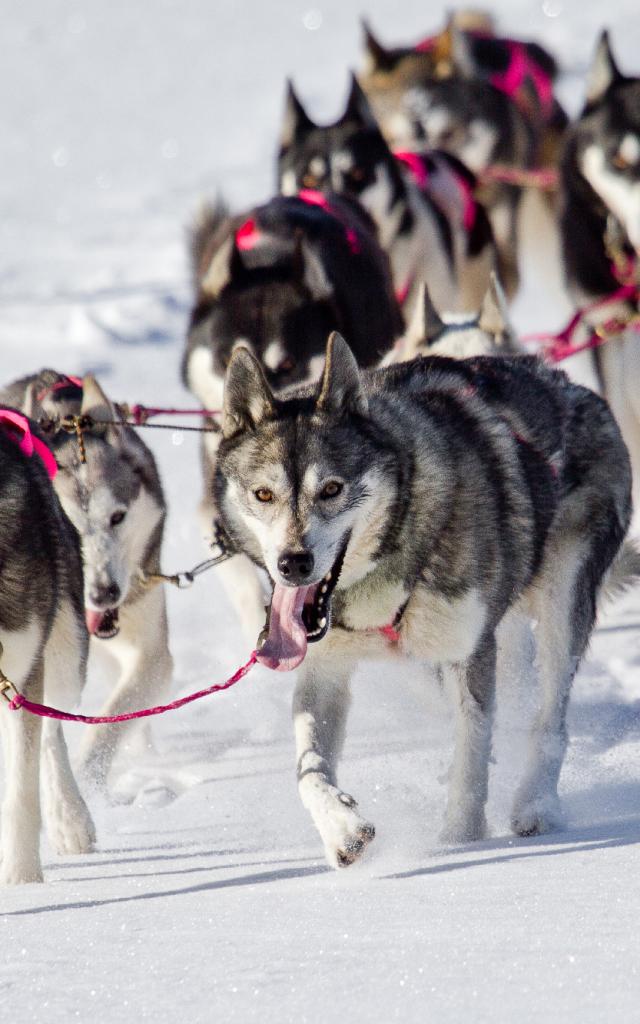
{"x": 623, "y": 572}
{"x": 201, "y": 232}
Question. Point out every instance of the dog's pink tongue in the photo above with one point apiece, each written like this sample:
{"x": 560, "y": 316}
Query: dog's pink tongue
{"x": 92, "y": 619}
{"x": 286, "y": 644}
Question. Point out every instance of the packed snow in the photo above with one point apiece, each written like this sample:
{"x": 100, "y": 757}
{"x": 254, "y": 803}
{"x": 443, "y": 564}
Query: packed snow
{"x": 208, "y": 897}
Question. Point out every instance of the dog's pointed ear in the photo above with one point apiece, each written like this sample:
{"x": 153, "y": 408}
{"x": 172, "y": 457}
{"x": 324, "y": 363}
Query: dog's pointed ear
{"x": 295, "y": 120}
{"x": 603, "y": 71}
{"x": 377, "y": 57}
{"x": 218, "y": 273}
{"x": 95, "y": 403}
{"x": 225, "y": 267}
{"x": 340, "y": 387}
{"x": 309, "y": 269}
{"x": 357, "y": 108}
{"x": 461, "y": 52}
{"x": 426, "y": 323}
{"x": 494, "y": 315}
{"x": 247, "y": 397}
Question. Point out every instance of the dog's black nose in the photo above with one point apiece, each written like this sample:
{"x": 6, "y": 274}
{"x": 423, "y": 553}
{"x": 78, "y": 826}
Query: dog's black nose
{"x": 105, "y": 596}
{"x": 296, "y": 566}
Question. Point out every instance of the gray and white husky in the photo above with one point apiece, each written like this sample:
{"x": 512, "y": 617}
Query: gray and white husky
{"x": 408, "y": 511}
{"x": 116, "y": 504}
{"x": 44, "y": 651}
{"x": 600, "y": 219}
{"x": 488, "y": 333}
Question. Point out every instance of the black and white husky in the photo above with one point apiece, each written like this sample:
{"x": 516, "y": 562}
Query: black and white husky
{"x": 408, "y": 511}
{"x": 44, "y": 652}
{"x": 601, "y": 232}
{"x": 427, "y": 218}
{"x": 277, "y": 279}
{"x": 487, "y": 100}
{"x": 114, "y": 500}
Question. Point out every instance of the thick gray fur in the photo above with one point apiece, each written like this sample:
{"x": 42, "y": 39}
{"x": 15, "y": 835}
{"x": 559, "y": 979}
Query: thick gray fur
{"x": 119, "y": 476}
{"x": 473, "y": 491}
{"x": 44, "y": 651}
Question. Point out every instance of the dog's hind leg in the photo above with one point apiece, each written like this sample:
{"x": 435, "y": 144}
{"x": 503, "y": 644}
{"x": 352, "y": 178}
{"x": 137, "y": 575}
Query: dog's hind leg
{"x": 142, "y": 650}
{"x": 320, "y": 708}
{"x": 472, "y": 685}
{"x": 21, "y": 805}
{"x": 563, "y": 603}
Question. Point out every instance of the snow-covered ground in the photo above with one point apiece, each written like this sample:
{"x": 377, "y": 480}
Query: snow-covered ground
{"x": 208, "y": 898}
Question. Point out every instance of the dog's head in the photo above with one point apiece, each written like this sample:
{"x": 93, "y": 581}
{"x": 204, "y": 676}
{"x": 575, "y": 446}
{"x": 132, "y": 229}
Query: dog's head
{"x": 489, "y": 333}
{"x": 350, "y": 156}
{"x": 268, "y": 291}
{"x": 605, "y": 142}
{"x": 114, "y": 501}
{"x": 431, "y": 97}
{"x": 302, "y": 485}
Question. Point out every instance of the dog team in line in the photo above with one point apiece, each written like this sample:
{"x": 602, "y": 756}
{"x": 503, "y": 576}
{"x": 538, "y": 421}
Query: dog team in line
{"x": 395, "y": 475}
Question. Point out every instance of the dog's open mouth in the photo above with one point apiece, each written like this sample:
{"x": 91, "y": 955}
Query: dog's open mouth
{"x": 102, "y": 624}
{"x": 297, "y": 616}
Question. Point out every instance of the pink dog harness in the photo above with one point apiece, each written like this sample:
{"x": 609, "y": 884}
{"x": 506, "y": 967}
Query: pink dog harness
{"x": 248, "y": 235}
{"x": 417, "y": 167}
{"x": 513, "y": 79}
{"x": 18, "y": 428}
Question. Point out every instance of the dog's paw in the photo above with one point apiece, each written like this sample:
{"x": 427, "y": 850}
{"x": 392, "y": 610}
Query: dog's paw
{"x": 537, "y": 816}
{"x": 464, "y": 826}
{"x": 20, "y": 870}
{"x": 344, "y": 833}
{"x": 72, "y": 831}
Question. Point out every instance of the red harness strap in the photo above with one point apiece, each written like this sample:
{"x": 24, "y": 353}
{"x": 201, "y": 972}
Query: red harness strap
{"x": 18, "y": 428}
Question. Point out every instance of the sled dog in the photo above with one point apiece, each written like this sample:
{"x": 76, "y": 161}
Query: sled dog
{"x": 407, "y": 511}
{"x": 278, "y": 278}
{"x": 44, "y": 651}
{"x": 600, "y": 228}
{"x": 487, "y": 333}
{"x": 114, "y": 500}
{"x": 487, "y": 100}
{"x": 427, "y": 218}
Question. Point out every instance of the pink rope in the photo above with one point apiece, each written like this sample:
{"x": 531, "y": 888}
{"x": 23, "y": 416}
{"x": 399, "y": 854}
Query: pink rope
{"x": 141, "y": 413}
{"x": 44, "y": 711}
{"x": 536, "y": 177}
{"x": 559, "y": 346}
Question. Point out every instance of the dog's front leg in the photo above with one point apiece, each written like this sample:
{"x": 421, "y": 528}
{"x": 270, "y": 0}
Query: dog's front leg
{"x": 21, "y": 804}
{"x": 321, "y": 704}
{"x": 142, "y": 650}
{"x": 472, "y": 685}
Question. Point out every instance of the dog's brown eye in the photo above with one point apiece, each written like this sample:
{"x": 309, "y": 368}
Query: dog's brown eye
{"x": 117, "y": 518}
{"x": 331, "y": 489}
{"x": 620, "y": 162}
{"x": 264, "y": 494}
{"x": 357, "y": 173}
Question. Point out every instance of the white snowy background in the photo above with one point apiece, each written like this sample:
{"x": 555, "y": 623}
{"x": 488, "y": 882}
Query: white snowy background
{"x": 208, "y": 898}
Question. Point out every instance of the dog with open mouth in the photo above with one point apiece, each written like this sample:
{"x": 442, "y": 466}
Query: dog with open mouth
{"x": 115, "y": 501}
{"x": 410, "y": 511}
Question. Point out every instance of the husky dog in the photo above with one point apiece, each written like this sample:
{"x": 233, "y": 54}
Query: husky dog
{"x": 278, "y": 279}
{"x": 487, "y": 100}
{"x": 408, "y": 510}
{"x": 486, "y": 334}
{"x": 433, "y": 232}
{"x": 600, "y": 227}
{"x": 114, "y": 500}
{"x": 44, "y": 651}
